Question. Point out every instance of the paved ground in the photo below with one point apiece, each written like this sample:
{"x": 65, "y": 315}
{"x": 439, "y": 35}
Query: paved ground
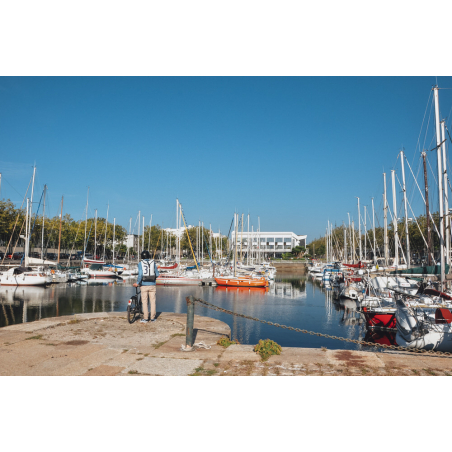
{"x": 105, "y": 344}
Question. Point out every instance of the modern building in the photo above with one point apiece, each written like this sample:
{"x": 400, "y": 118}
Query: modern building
{"x": 267, "y": 244}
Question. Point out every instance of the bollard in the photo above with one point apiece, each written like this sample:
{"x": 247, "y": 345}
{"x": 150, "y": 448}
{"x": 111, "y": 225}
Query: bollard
{"x": 190, "y": 321}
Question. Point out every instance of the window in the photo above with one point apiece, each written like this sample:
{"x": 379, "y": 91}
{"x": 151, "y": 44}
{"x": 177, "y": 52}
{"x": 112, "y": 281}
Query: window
{"x": 279, "y": 240}
{"x": 270, "y": 239}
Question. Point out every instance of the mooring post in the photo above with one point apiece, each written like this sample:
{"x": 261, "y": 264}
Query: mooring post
{"x": 190, "y": 321}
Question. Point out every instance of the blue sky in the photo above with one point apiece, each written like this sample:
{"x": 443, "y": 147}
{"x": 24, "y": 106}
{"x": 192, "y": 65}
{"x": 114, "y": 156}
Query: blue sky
{"x": 294, "y": 151}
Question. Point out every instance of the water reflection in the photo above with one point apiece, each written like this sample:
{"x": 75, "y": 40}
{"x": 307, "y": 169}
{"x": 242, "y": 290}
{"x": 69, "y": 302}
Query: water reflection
{"x": 292, "y": 300}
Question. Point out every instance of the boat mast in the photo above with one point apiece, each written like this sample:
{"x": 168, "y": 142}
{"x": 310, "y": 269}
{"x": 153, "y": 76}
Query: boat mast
{"x": 385, "y": 210}
{"x": 43, "y": 219}
{"x": 359, "y": 231}
{"x": 149, "y": 237}
{"x": 353, "y": 235}
{"x": 440, "y": 185}
{"x": 59, "y": 235}
{"x": 26, "y": 235}
{"x": 349, "y": 231}
{"x": 138, "y": 241}
{"x": 114, "y": 231}
{"x": 177, "y": 229}
{"x": 407, "y": 238}
{"x": 365, "y": 232}
{"x": 202, "y": 243}
{"x": 106, "y": 227}
{"x": 259, "y": 241}
{"x": 31, "y": 210}
{"x": 345, "y": 244}
{"x": 446, "y": 197}
{"x": 142, "y": 236}
{"x": 86, "y": 221}
{"x": 236, "y": 232}
{"x": 395, "y": 220}
{"x": 95, "y": 234}
{"x": 373, "y": 228}
{"x": 130, "y": 232}
{"x": 241, "y": 241}
{"x": 427, "y": 212}
{"x": 248, "y": 242}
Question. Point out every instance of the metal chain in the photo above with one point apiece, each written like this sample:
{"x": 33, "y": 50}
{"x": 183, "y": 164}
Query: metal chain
{"x": 312, "y": 333}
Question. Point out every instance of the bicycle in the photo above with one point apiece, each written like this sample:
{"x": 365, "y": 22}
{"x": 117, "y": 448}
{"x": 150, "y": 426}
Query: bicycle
{"x": 134, "y": 307}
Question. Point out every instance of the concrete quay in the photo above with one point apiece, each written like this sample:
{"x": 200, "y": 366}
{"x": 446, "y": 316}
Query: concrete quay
{"x": 102, "y": 344}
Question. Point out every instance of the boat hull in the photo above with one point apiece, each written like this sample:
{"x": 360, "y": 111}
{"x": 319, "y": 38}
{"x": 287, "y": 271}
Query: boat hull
{"x": 239, "y": 282}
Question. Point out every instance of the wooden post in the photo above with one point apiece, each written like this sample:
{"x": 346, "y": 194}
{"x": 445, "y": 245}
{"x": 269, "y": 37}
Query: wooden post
{"x": 190, "y": 321}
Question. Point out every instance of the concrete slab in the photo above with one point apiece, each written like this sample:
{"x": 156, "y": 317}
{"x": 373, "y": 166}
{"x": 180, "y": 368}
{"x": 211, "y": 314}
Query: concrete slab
{"x": 353, "y": 358}
{"x": 79, "y": 367}
{"x": 239, "y": 352}
{"x": 103, "y": 371}
{"x": 300, "y": 356}
{"x": 172, "y": 349}
{"x": 165, "y": 366}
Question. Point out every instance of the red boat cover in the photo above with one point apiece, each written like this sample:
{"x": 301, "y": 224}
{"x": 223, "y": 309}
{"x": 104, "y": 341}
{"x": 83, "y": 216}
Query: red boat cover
{"x": 437, "y": 293}
{"x": 443, "y": 315}
{"x": 358, "y": 265}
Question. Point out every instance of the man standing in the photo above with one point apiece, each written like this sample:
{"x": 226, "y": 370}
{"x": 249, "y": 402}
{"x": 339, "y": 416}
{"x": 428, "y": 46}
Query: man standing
{"x": 147, "y": 274}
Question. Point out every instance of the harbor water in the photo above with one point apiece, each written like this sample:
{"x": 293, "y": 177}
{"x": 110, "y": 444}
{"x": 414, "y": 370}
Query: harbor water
{"x": 292, "y": 300}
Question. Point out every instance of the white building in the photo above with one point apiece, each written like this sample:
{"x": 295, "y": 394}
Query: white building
{"x": 132, "y": 242}
{"x": 267, "y": 244}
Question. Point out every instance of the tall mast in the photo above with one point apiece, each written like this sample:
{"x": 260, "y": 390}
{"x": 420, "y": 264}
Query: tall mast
{"x": 446, "y": 197}
{"x": 350, "y": 232}
{"x": 236, "y": 233}
{"x": 114, "y": 232}
{"x": 138, "y": 241}
{"x": 248, "y": 243}
{"x": 259, "y": 240}
{"x": 86, "y": 221}
{"x": 385, "y": 209}
{"x": 440, "y": 185}
{"x": 149, "y": 237}
{"x": 202, "y": 243}
{"x": 59, "y": 235}
{"x": 105, "y": 238}
{"x": 345, "y": 244}
{"x": 31, "y": 208}
{"x": 427, "y": 212}
{"x": 365, "y": 232}
{"x": 95, "y": 234}
{"x": 43, "y": 220}
{"x": 142, "y": 236}
{"x": 359, "y": 232}
{"x": 130, "y": 232}
{"x": 395, "y": 220}
{"x": 407, "y": 238}
{"x": 177, "y": 228}
{"x": 373, "y": 228}
{"x": 241, "y": 241}
{"x": 26, "y": 235}
{"x": 326, "y": 242}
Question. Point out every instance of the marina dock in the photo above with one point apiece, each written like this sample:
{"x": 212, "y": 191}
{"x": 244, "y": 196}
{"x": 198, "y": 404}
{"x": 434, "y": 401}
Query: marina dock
{"x": 105, "y": 344}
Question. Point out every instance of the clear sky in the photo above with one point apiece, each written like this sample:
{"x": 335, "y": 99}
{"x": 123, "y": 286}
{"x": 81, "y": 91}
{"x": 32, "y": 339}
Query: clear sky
{"x": 294, "y": 151}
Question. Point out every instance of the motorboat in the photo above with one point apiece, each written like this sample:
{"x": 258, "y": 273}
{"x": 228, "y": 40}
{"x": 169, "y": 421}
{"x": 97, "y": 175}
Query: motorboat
{"x": 24, "y": 276}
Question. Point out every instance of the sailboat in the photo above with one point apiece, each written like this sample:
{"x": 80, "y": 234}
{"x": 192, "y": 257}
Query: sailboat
{"x": 25, "y": 275}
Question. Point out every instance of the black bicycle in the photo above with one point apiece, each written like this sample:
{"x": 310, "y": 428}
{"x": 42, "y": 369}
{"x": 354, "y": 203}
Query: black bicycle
{"x": 134, "y": 308}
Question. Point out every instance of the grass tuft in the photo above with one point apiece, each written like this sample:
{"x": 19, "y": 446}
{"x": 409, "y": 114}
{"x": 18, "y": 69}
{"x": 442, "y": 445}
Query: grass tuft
{"x": 267, "y": 348}
{"x": 39, "y": 336}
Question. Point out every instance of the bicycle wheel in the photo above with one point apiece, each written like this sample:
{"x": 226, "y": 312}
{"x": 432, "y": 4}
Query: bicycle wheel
{"x": 132, "y": 310}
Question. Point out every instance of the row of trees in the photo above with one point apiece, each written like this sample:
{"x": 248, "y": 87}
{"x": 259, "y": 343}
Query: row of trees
{"x": 12, "y": 225}
{"x": 417, "y": 235}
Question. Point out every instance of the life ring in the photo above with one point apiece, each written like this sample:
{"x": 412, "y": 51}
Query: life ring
{"x": 52, "y": 271}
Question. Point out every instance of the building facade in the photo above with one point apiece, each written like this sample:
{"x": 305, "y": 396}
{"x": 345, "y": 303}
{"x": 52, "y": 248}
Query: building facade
{"x": 266, "y": 244}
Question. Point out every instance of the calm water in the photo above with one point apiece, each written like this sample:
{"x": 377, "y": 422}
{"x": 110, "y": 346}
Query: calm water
{"x": 292, "y": 300}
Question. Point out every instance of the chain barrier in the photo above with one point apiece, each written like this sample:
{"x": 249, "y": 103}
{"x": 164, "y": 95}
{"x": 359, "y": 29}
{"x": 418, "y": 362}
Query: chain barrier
{"x": 328, "y": 336}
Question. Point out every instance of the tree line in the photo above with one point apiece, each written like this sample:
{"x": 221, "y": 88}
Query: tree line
{"x": 417, "y": 233}
{"x": 100, "y": 233}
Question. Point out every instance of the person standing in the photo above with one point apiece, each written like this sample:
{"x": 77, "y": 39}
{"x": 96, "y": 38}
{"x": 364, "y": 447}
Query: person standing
{"x": 147, "y": 274}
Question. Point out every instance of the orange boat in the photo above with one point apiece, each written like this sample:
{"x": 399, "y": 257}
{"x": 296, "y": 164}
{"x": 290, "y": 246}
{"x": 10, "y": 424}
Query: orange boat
{"x": 242, "y": 282}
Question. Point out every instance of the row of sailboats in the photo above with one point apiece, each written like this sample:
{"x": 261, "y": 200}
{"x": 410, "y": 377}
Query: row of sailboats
{"x": 387, "y": 294}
